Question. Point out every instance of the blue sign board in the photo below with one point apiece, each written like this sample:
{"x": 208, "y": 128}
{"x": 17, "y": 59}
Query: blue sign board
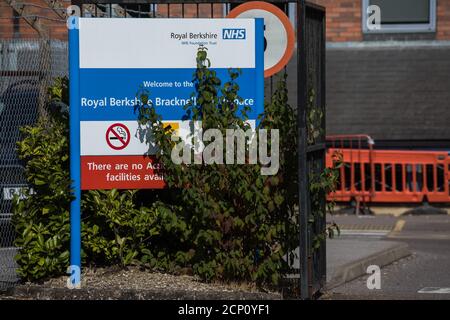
{"x": 111, "y": 59}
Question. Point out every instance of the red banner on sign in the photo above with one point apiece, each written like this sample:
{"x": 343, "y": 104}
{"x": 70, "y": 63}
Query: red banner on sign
{"x": 120, "y": 172}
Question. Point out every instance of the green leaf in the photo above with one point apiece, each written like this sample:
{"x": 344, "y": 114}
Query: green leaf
{"x": 39, "y": 182}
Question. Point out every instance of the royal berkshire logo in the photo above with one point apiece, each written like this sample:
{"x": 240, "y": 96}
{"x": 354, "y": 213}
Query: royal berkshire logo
{"x": 233, "y": 34}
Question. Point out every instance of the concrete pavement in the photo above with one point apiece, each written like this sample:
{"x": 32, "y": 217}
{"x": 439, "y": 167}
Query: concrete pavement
{"x": 423, "y": 275}
{"x": 348, "y": 259}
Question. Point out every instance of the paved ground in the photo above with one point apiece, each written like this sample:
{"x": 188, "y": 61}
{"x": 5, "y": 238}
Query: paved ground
{"x": 381, "y": 238}
{"x": 349, "y": 258}
{"x": 7, "y": 267}
{"x": 426, "y": 270}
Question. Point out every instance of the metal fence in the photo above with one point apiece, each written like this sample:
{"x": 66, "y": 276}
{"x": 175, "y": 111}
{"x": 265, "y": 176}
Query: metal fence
{"x": 27, "y": 68}
{"x": 312, "y": 151}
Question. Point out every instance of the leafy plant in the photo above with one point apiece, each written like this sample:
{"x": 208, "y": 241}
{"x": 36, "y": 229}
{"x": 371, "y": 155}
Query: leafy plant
{"x": 224, "y": 222}
{"x": 41, "y": 218}
{"x": 322, "y": 181}
{"x": 118, "y": 232}
{"x": 241, "y": 222}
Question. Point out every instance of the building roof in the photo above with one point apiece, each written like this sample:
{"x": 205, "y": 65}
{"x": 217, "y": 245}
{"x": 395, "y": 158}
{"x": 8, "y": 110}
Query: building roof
{"x": 391, "y": 91}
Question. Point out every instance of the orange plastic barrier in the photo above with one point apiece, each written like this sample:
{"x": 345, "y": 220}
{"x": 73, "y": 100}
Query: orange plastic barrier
{"x": 388, "y": 176}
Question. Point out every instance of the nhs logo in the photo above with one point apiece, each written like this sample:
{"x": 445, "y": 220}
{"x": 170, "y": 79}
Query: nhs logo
{"x": 233, "y": 34}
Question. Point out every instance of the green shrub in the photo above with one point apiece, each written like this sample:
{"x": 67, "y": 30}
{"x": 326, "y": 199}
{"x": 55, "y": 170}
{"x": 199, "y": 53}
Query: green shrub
{"x": 118, "y": 232}
{"x": 241, "y": 221}
{"x": 42, "y": 219}
{"x": 111, "y": 225}
{"x": 115, "y": 230}
{"x": 225, "y": 222}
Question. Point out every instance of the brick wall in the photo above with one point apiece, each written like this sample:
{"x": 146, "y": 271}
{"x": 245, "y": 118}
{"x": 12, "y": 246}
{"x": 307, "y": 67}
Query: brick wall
{"x": 344, "y": 20}
{"x": 8, "y": 23}
{"x": 11, "y": 27}
{"x": 443, "y": 20}
{"x": 191, "y": 10}
{"x": 343, "y": 17}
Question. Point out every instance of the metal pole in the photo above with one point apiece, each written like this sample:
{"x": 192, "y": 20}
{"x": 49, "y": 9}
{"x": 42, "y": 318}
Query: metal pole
{"x": 302, "y": 169}
{"x": 323, "y": 104}
{"x": 75, "y": 205}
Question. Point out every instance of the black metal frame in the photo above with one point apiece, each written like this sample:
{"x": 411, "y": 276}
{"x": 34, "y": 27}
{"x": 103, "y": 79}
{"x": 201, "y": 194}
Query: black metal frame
{"x": 311, "y": 157}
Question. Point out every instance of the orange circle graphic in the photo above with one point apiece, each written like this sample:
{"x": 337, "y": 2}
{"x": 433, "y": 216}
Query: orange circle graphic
{"x": 286, "y": 24}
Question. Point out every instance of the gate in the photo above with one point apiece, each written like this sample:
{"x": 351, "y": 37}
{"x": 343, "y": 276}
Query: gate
{"x": 312, "y": 146}
{"x": 306, "y": 85}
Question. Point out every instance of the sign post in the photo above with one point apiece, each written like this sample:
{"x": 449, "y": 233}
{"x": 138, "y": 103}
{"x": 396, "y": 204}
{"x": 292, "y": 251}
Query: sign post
{"x": 75, "y": 205}
{"x": 112, "y": 59}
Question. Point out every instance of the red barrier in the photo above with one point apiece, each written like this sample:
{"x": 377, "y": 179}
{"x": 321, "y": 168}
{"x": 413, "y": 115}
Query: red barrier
{"x": 388, "y": 176}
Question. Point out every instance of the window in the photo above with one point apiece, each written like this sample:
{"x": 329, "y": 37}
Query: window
{"x": 400, "y": 16}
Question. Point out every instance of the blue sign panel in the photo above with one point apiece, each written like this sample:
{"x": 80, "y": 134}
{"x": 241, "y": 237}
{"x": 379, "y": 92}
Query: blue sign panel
{"x": 112, "y": 59}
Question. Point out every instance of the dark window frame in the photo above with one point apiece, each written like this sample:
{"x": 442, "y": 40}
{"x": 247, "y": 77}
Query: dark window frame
{"x": 400, "y": 28}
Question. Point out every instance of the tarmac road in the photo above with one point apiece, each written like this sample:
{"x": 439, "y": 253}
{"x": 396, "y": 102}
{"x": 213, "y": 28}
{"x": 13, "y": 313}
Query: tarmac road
{"x": 426, "y": 270}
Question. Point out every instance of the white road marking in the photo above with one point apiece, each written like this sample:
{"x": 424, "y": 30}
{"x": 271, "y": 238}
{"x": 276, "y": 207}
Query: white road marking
{"x": 434, "y": 290}
{"x": 399, "y": 225}
{"x": 363, "y": 233}
{"x": 416, "y": 236}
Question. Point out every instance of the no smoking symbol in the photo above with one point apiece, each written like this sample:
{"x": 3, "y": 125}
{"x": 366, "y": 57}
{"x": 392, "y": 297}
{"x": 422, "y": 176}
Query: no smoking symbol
{"x": 118, "y": 136}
